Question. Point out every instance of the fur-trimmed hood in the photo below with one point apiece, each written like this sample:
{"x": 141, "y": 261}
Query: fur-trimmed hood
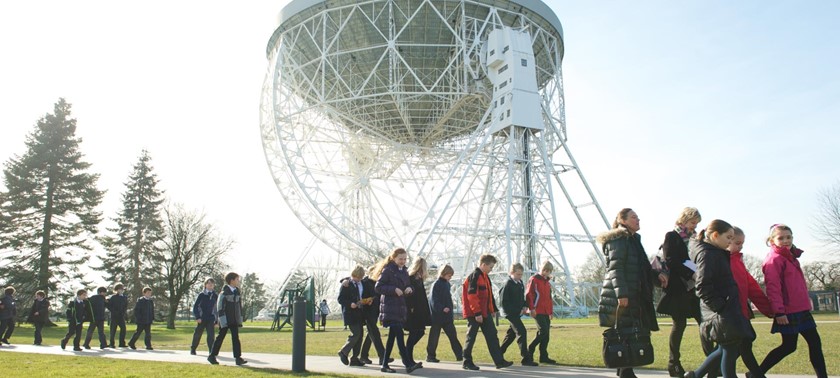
{"x": 615, "y": 233}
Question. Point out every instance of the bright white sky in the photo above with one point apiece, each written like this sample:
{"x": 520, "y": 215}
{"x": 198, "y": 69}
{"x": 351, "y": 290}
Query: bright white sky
{"x": 729, "y": 107}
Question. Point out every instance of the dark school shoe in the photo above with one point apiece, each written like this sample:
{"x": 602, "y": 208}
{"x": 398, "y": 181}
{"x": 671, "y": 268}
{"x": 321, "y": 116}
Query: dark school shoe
{"x": 192, "y": 351}
{"x": 412, "y": 368}
{"x": 468, "y": 365}
{"x": 241, "y": 361}
{"x": 344, "y": 359}
{"x": 77, "y": 349}
{"x": 529, "y": 363}
{"x": 212, "y": 360}
{"x": 366, "y": 361}
{"x": 548, "y": 361}
{"x": 132, "y": 346}
{"x": 432, "y": 360}
{"x": 355, "y": 362}
{"x": 386, "y": 369}
{"x": 63, "y": 344}
{"x": 504, "y": 365}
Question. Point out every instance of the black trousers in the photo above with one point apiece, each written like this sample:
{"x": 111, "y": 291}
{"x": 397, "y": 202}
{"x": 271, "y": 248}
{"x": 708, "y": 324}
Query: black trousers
{"x": 147, "y": 328}
{"x": 373, "y": 338}
{"x": 517, "y": 332}
{"x": 100, "y": 326}
{"x": 414, "y": 336}
{"x": 675, "y": 339}
{"x": 434, "y": 336}
{"x": 488, "y": 328}
{"x": 749, "y": 358}
{"x": 395, "y": 333}
{"x": 234, "y": 337}
{"x": 7, "y": 326}
{"x": 543, "y": 335}
{"x": 118, "y": 322}
{"x": 74, "y": 331}
{"x": 204, "y": 327}
{"x": 38, "y": 327}
{"x": 354, "y": 341}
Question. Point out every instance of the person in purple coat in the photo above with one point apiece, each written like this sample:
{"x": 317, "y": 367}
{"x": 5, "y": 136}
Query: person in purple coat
{"x": 393, "y": 285}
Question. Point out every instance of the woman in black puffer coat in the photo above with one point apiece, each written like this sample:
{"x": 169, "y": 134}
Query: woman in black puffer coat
{"x": 628, "y": 284}
{"x": 723, "y": 321}
{"x": 393, "y": 285}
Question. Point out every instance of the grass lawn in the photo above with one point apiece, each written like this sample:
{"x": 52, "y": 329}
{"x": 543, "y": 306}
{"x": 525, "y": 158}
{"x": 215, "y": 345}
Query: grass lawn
{"x": 574, "y": 342}
{"x": 40, "y": 365}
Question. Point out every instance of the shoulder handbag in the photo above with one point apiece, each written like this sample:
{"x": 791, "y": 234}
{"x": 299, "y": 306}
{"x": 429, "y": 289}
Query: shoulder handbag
{"x": 628, "y": 346}
{"x": 614, "y": 350}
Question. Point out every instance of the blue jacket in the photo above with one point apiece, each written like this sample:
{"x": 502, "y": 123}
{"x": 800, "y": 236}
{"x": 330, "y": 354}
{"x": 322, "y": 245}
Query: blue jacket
{"x": 347, "y": 296}
{"x": 441, "y": 298}
{"x": 77, "y": 312}
{"x": 9, "y": 309}
{"x": 96, "y": 308}
{"x": 144, "y": 311}
{"x": 205, "y": 306}
{"x": 118, "y": 305}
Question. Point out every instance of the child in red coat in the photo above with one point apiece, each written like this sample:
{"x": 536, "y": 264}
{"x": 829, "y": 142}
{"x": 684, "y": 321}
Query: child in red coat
{"x": 538, "y": 297}
{"x": 748, "y": 289}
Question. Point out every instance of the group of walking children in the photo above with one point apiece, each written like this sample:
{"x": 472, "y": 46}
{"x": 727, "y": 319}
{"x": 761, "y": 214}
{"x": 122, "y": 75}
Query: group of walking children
{"x": 704, "y": 278}
{"x": 394, "y": 296}
{"x": 210, "y": 309}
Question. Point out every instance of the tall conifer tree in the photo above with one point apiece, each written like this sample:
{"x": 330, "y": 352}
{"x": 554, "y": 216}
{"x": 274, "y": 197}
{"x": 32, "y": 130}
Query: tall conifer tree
{"x": 48, "y": 209}
{"x": 134, "y": 246}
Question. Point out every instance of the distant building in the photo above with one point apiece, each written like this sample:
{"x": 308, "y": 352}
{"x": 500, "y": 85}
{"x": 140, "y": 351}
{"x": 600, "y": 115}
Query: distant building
{"x": 824, "y": 300}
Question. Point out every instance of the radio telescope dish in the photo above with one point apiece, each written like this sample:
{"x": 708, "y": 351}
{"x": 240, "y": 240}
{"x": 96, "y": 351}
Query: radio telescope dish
{"x": 438, "y": 126}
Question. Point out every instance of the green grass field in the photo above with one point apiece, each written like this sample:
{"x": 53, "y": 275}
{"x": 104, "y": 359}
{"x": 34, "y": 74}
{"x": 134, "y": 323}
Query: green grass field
{"x": 574, "y": 342}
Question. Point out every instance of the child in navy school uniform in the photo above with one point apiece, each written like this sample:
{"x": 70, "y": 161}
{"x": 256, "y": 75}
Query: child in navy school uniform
{"x": 96, "y": 316}
{"x": 144, "y": 315}
{"x": 204, "y": 310}
{"x": 350, "y": 298}
{"x": 229, "y": 309}
{"x": 76, "y": 317}
{"x": 39, "y": 314}
{"x": 8, "y": 311}
{"x": 118, "y": 305}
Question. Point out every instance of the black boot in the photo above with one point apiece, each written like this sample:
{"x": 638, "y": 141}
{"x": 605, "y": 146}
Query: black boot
{"x": 675, "y": 369}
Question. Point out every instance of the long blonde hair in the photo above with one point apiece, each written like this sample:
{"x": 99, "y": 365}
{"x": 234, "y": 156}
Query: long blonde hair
{"x": 419, "y": 269}
{"x": 377, "y": 271}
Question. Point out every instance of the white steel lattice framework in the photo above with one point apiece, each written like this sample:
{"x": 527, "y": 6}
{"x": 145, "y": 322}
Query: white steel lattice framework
{"x": 376, "y": 125}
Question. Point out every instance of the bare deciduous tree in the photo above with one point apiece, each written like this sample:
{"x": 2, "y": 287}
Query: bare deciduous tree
{"x": 826, "y": 225}
{"x": 193, "y": 250}
{"x": 753, "y": 265}
{"x": 592, "y": 269}
{"x": 822, "y": 275}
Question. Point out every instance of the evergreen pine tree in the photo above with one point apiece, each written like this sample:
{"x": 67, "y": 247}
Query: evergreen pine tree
{"x": 48, "y": 211}
{"x": 134, "y": 249}
{"x": 253, "y": 296}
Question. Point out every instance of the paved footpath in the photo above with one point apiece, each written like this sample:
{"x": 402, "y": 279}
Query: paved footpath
{"x": 331, "y": 365}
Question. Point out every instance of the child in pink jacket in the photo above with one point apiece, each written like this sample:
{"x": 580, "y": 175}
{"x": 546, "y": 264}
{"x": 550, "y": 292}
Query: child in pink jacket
{"x": 748, "y": 291}
{"x": 789, "y": 301}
